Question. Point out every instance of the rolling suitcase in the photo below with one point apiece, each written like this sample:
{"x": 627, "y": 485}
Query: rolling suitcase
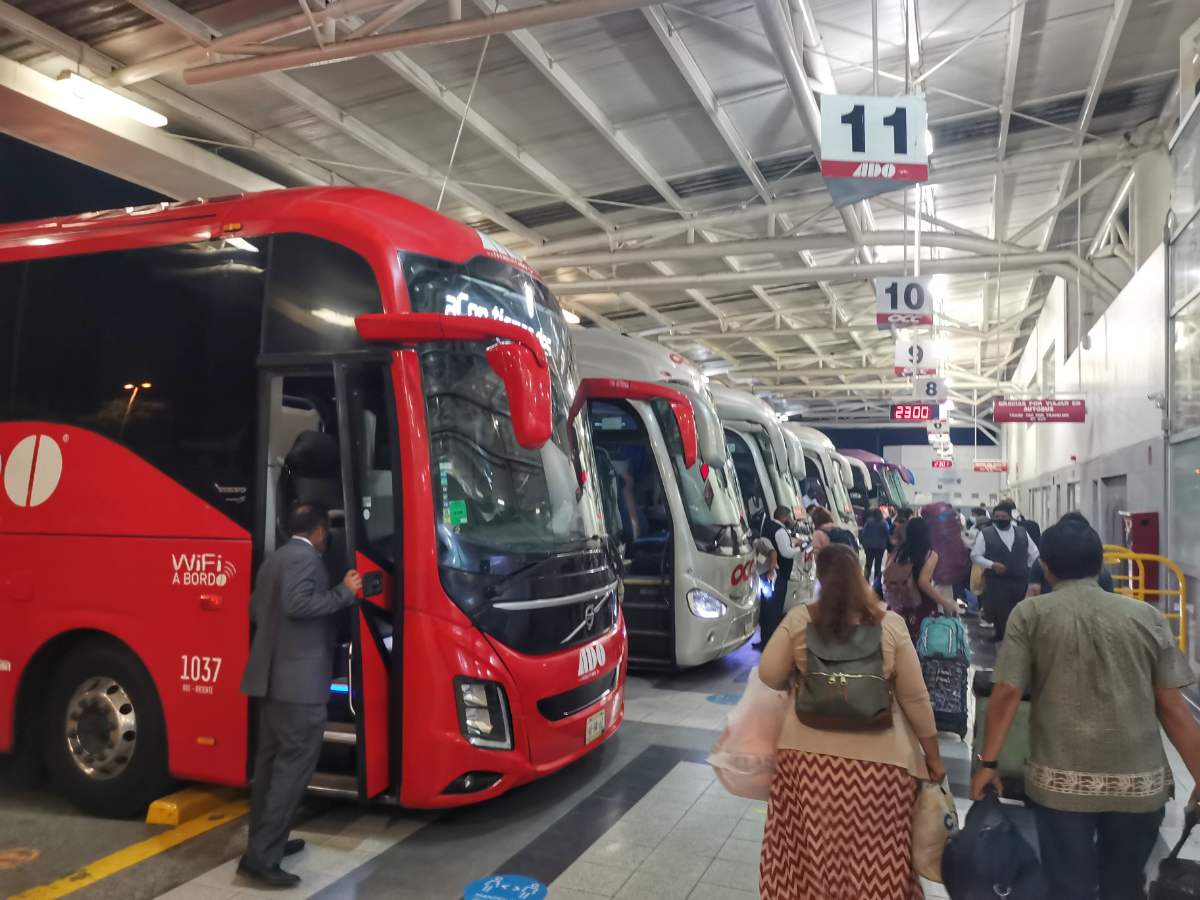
{"x": 1015, "y": 752}
{"x": 1178, "y": 879}
{"x": 946, "y": 680}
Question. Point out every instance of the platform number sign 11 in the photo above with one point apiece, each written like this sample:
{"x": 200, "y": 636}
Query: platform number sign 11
{"x": 874, "y": 137}
{"x": 902, "y": 302}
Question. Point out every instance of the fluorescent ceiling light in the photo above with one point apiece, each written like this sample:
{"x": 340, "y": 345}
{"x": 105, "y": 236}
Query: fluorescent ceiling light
{"x": 914, "y": 43}
{"x": 571, "y": 318}
{"x": 110, "y": 101}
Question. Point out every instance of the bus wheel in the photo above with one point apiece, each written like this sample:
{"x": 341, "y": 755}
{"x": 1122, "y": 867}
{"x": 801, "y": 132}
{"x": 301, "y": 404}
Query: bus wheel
{"x": 106, "y": 744}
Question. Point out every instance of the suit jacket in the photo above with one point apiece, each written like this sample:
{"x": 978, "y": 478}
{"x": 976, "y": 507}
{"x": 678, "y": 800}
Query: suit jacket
{"x": 291, "y": 656}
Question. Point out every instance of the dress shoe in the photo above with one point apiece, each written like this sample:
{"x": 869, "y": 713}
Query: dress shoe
{"x": 294, "y": 846}
{"x": 274, "y": 878}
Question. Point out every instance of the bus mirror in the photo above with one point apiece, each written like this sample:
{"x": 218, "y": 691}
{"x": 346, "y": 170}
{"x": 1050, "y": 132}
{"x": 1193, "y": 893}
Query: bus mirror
{"x": 528, "y": 387}
{"x": 520, "y": 362}
{"x": 623, "y": 389}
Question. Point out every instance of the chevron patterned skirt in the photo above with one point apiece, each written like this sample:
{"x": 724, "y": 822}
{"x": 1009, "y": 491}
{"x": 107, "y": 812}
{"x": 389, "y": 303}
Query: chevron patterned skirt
{"x": 838, "y": 829}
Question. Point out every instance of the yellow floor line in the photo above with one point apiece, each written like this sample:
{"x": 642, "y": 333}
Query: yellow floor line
{"x": 135, "y": 853}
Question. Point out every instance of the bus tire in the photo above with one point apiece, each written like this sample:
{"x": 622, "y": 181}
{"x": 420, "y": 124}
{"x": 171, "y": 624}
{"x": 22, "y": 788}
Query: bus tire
{"x": 105, "y": 738}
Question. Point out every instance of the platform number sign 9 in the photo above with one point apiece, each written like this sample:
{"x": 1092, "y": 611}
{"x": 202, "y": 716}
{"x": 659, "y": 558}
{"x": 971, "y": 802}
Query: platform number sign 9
{"x": 902, "y": 302}
{"x": 874, "y": 137}
{"x": 915, "y": 357}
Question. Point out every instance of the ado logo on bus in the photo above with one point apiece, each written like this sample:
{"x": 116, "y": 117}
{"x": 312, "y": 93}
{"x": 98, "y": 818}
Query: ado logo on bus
{"x": 32, "y": 470}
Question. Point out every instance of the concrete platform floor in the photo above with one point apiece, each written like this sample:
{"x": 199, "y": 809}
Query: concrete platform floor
{"x": 641, "y": 818}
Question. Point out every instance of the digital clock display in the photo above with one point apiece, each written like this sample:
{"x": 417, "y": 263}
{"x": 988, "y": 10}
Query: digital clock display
{"x": 913, "y": 412}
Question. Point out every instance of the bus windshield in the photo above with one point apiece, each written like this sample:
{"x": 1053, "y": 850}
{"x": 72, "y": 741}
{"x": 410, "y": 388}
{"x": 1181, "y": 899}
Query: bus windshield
{"x": 498, "y": 506}
{"x": 895, "y": 487}
{"x": 712, "y": 504}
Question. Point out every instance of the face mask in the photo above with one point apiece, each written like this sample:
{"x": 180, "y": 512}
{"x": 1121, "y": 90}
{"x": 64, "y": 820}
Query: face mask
{"x": 1004, "y": 526}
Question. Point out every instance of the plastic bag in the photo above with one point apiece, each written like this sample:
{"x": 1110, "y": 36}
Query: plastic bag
{"x": 935, "y": 818}
{"x": 743, "y": 757}
{"x": 989, "y": 858}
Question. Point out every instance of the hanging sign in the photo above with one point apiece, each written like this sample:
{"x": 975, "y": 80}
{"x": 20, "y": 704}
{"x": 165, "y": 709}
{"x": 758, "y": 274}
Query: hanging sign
{"x": 874, "y": 137}
{"x": 939, "y": 428}
{"x": 902, "y": 302}
{"x": 930, "y": 390}
{"x": 913, "y": 412}
{"x": 1038, "y": 410}
{"x": 993, "y": 466}
{"x": 915, "y": 357}
{"x": 942, "y": 463}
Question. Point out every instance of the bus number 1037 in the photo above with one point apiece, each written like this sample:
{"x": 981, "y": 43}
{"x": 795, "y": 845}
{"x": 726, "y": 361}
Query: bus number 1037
{"x": 201, "y": 669}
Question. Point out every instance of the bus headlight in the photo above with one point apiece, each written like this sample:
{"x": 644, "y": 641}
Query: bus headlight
{"x": 704, "y": 605}
{"x": 483, "y": 714}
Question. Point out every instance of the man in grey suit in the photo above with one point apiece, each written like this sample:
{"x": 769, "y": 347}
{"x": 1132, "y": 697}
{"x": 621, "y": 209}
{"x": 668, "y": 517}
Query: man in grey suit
{"x": 290, "y": 666}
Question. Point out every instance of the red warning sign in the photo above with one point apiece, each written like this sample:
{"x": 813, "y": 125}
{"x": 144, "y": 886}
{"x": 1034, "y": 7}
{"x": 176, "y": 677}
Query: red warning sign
{"x": 1038, "y": 410}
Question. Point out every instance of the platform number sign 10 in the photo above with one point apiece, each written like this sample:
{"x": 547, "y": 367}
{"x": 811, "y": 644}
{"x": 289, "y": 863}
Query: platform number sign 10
{"x": 874, "y": 137}
{"x": 902, "y": 302}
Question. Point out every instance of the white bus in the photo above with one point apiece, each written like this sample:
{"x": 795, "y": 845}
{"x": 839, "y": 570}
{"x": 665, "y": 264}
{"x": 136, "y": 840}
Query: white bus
{"x": 688, "y": 569}
{"x": 829, "y": 471}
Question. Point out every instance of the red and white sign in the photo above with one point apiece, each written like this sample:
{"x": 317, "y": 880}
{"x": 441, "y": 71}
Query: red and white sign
{"x": 993, "y": 466}
{"x": 902, "y": 303}
{"x": 915, "y": 357}
{"x": 1038, "y": 410}
{"x": 874, "y": 137}
{"x": 943, "y": 463}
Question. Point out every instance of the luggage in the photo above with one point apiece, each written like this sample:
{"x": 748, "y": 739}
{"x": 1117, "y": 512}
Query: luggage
{"x": 899, "y": 587}
{"x": 935, "y": 818}
{"x": 943, "y": 637}
{"x": 946, "y": 680}
{"x": 989, "y": 858}
{"x": 743, "y": 757}
{"x": 1015, "y": 753}
{"x": 946, "y": 537}
{"x": 843, "y": 536}
{"x": 1178, "y": 879}
{"x": 842, "y": 686}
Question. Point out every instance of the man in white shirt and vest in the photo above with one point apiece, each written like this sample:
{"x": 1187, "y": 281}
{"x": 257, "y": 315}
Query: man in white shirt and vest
{"x": 776, "y": 530}
{"x": 1007, "y": 555}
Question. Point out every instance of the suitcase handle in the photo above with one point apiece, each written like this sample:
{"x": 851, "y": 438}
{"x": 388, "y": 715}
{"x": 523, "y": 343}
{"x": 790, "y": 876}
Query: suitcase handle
{"x": 1190, "y": 817}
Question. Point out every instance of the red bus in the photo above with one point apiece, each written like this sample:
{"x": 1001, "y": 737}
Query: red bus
{"x": 172, "y": 377}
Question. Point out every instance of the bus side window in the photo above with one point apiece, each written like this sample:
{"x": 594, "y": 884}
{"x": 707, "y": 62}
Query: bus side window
{"x": 11, "y": 275}
{"x": 154, "y": 349}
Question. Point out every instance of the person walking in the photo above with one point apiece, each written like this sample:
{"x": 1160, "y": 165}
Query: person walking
{"x": 1104, "y": 674}
{"x": 874, "y": 538}
{"x": 839, "y": 820}
{"x": 288, "y": 672}
{"x": 903, "y": 516}
{"x": 777, "y": 531}
{"x": 822, "y": 524}
{"x": 1007, "y": 556}
{"x": 908, "y": 586}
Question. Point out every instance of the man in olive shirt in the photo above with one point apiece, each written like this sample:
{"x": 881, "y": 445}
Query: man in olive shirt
{"x": 1104, "y": 672}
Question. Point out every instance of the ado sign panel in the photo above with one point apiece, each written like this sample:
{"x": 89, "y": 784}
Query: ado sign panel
{"x": 1038, "y": 411}
{"x": 994, "y": 466}
{"x": 902, "y": 302}
{"x": 915, "y": 357}
{"x": 874, "y": 137}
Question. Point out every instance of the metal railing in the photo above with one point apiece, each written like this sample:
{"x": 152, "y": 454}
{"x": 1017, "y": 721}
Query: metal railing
{"x": 1130, "y": 580}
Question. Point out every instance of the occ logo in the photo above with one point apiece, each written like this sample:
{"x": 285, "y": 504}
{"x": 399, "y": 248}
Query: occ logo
{"x": 32, "y": 470}
{"x": 741, "y": 573}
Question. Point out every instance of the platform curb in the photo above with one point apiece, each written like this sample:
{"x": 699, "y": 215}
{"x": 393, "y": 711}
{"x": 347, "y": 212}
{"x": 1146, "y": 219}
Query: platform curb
{"x": 188, "y": 804}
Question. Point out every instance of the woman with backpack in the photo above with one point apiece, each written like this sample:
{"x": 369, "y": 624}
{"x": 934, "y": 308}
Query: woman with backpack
{"x": 908, "y": 587}
{"x": 839, "y": 823}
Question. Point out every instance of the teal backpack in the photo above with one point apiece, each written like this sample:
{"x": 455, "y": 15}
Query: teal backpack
{"x": 943, "y": 637}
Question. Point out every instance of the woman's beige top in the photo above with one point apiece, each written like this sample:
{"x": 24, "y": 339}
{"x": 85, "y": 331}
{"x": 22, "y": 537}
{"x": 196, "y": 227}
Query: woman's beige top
{"x": 912, "y": 716}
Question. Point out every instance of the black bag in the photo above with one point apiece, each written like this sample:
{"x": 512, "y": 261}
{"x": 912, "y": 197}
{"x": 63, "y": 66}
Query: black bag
{"x": 1178, "y": 879}
{"x": 843, "y": 536}
{"x": 946, "y": 680}
{"x": 988, "y": 858}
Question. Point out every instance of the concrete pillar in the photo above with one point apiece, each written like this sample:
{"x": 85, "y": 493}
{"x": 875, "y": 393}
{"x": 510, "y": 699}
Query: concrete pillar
{"x": 1149, "y": 203}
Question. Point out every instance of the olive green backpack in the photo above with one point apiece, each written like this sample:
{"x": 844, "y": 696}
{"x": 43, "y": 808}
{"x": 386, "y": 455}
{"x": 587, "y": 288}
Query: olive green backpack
{"x": 843, "y": 687}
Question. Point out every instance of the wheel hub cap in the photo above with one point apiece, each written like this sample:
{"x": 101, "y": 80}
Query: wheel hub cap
{"x": 101, "y": 728}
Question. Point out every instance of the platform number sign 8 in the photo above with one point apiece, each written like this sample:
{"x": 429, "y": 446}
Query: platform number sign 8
{"x": 902, "y": 302}
{"x": 930, "y": 390}
{"x": 874, "y": 137}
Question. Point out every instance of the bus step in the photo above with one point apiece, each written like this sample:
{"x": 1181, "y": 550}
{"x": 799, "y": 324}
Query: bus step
{"x": 341, "y": 733}
{"x": 328, "y": 784}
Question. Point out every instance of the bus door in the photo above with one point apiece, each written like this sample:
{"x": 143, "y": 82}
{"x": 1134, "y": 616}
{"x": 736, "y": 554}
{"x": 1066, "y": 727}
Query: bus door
{"x": 331, "y": 438}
